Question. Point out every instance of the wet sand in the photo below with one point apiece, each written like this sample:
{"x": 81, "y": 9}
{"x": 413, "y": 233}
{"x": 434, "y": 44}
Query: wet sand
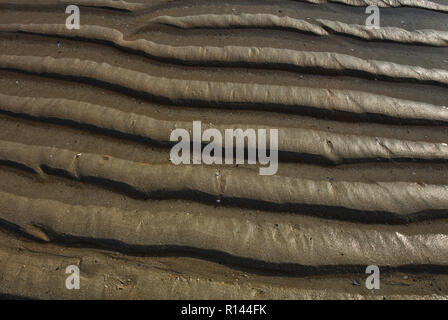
{"x": 85, "y": 171}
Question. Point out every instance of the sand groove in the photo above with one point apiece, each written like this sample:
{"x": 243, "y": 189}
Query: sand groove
{"x": 427, "y": 37}
{"x": 136, "y": 6}
{"x": 243, "y": 237}
{"x": 85, "y": 170}
{"x": 423, "y": 4}
{"x": 153, "y": 278}
{"x": 328, "y": 61}
{"x": 401, "y": 198}
{"x": 109, "y": 4}
{"x": 336, "y": 148}
{"x": 241, "y": 20}
{"x": 219, "y": 92}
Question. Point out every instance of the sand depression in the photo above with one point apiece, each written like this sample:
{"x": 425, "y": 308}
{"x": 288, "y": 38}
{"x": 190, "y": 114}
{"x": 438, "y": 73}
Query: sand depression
{"x": 86, "y": 178}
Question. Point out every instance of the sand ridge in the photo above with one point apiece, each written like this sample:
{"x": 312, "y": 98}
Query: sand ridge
{"x": 85, "y": 171}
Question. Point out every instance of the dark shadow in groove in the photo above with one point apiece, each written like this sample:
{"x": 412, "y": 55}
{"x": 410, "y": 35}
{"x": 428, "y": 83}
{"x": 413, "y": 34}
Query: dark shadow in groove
{"x": 283, "y": 156}
{"x": 320, "y": 211}
{"x": 17, "y": 166}
{"x": 61, "y": 8}
{"x": 179, "y": 4}
{"x": 336, "y": 213}
{"x": 252, "y": 65}
{"x": 216, "y": 256}
{"x": 92, "y": 128}
{"x": 331, "y": 6}
{"x": 13, "y": 229}
{"x": 5, "y": 297}
{"x": 395, "y": 42}
{"x": 174, "y": 30}
{"x": 150, "y": 27}
{"x": 343, "y": 116}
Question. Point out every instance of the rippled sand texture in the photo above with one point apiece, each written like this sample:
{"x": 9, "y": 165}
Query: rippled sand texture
{"x": 85, "y": 175}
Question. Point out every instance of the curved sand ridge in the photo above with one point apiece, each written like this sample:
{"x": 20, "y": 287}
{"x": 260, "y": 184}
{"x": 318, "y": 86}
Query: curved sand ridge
{"x": 135, "y": 7}
{"x": 261, "y": 20}
{"x": 245, "y": 237}
{"x": 84, "y": 181}
{"x": 399, "y": 198}
{"x": 108, "y": 4}
{"x": 427, "y": 37}
{"x": 226, "y": 92}
{"x": 423, "y": 4}
{"x": 336, "y": 148}
{"x": 131, "y": 277}
{"x": 328, "y": 61}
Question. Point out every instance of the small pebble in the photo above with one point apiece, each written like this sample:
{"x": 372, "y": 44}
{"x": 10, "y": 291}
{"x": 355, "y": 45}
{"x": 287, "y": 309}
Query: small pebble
{"x": 405, "y": 277}
{"x": 218, "y": 200}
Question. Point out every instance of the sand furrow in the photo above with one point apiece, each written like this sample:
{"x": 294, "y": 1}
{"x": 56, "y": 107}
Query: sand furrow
{"x": 423, "y": 4}
{"x": 136, "y": 6}
{"x": 109, "y": 4}
{"x": 427, "y": 37}
{"x": 400, "y": 35}
{"x": 88, "y": 174}
{"x": 257, "y": 56}
{"x": 243, "y": 237}
{"x": 396, "y": 198}
{"x": 240, "y": 20}
{"x": 159, "y": 278}
{"x": 177, "y": 90}
{"x": 336, "y": 148}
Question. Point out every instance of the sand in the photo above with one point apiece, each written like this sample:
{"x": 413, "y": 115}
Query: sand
{"x": 85, "y": 171}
